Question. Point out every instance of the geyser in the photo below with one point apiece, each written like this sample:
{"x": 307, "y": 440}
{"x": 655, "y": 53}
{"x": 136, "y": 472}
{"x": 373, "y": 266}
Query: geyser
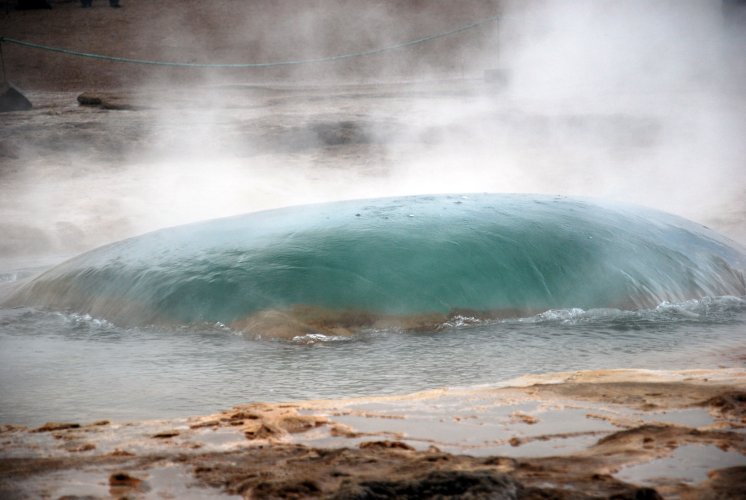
{"x": 408, "y": 262}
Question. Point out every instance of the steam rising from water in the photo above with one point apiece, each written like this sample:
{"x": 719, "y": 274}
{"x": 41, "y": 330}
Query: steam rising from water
{"x": 638, "y": 101}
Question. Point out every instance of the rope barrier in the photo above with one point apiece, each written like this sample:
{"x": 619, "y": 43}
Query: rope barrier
{"x": 338, "y": 57}
{"x": 2, "y": 63}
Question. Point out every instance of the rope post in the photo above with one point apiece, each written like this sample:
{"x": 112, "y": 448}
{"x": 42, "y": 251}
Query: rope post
{"x": 2, "y": 62}
{"x": 10, "y": 98}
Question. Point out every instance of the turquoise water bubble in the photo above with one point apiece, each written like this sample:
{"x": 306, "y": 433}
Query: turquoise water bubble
{"x": 444, "y": 255}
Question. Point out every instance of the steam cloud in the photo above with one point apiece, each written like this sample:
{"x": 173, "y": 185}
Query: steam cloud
{"x": 640, "y": 101}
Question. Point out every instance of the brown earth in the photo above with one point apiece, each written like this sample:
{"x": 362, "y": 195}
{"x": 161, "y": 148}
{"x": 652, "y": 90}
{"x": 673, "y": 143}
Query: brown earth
{"x": 259, "y": 31}
{"x": 276, "y": 450}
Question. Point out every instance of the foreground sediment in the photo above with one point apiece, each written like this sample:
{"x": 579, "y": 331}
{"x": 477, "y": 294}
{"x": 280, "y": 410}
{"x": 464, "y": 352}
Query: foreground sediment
{"x": 590, "y": 434}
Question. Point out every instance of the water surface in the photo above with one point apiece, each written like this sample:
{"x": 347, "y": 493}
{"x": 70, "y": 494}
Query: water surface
{"x": 56, "y": 366}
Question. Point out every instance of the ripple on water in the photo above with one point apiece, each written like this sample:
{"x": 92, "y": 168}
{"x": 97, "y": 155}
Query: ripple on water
{"x": 77, "y": 367}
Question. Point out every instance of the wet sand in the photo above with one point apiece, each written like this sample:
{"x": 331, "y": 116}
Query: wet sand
{"x": 588, "y": 434}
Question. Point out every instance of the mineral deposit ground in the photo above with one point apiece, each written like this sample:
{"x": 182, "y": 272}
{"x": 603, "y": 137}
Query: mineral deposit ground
{"x": 601, "y": 434}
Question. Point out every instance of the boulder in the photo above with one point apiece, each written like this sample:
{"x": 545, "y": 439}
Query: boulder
{"x": 86, "y": 99}
{"x": 12, "y": 100}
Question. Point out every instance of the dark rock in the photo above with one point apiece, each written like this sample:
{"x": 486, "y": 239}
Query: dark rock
{"x": 89, "y": 100}
{"x": 166, "y": 434}
{"x": 386, "y": 444}
{"x": 12, "y": 100}
{"x": 300, "y": 489}
{"x": 121, "y": 484}
{"x": 436, "y": 484}
{"x": 109, "y": 102}
{"x": 57, "y": 426}
{"x": 123, "y": 479}
{"x": 638, "y": 494}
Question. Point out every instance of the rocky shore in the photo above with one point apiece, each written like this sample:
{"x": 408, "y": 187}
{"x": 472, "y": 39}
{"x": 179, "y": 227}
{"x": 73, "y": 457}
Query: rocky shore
{"x": 595, "y": 434}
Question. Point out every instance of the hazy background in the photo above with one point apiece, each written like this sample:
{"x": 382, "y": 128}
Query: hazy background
{"x": 640, "y": 100}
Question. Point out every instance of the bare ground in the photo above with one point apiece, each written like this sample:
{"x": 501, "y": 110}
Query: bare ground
{"x": 583, "y": 431}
